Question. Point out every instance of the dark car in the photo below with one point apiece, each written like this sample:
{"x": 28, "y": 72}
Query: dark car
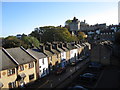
{"x": 77, "y": 87}
{"x": 60, "y": 71}
{"x": 88, "y": 77}
{"x": 74, "y": 63}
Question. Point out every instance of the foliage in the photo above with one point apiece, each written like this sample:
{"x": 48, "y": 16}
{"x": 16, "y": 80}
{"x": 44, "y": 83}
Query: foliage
{"x": 36, "y": 34}
{"x": 11, "y": 42}
{"x": 30, "y": 41}
{"x": 68, "y": 22}
{"x": 25, "y": 41}
{"x": 57, "y": 34}
{"x": 51, "y": 33}
{"x": 81, "y": 35}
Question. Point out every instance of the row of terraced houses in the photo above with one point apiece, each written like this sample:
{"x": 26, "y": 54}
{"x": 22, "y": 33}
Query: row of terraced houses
{"x": 19, "y": 66}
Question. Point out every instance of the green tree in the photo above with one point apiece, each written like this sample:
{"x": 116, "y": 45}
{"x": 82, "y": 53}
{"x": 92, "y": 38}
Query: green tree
{"x": 57, "y": 34}
{"x": 11, "y": 42}
{"x": 81, "y": 35}
{"x": 25, "y": 41}
{"x": 30, "y": 41}
{"x": 68, "y": 22}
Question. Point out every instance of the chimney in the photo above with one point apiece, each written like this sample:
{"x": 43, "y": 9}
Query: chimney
{"x": 42, "y": 48}
{"x": 49, "y": 47}
{"x": 84, "y": 21}
{"x": 76, "y": 42}
{"x": 61, "y": 45}
{"x": 66, "y": 45}
{"x": 72, "y": 43}
{"x": 55, "y": 46}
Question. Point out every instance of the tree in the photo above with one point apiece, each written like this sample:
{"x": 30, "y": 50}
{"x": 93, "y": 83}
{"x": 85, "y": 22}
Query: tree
{"x": 68, "y": 22}
{"x": 11, "y": 42}
{"x": 30, "y": 41}
{"x": 25, "y": 41}
{"x": 81, "y": 35}
{"x": 57, "y": 34}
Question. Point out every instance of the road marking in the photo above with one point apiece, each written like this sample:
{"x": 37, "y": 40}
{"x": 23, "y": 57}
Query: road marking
{"x": 99, "y": 79}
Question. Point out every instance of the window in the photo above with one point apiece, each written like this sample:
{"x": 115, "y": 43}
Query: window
{"x": 43, "y": 61}
{"x": 40, "y": 70}
{"x": 31, "y": 76}
{"x": 43, "y": 70}
{"x": 31, "y": 65}
{"x": 21, "y": 67}
{"x": 12, "y": 85}
{"x": 11, "y": 71}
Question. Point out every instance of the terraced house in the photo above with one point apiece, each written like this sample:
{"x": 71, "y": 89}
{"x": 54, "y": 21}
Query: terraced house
{"x": 62, "y": 55}
{"x": 8, "y": 71}
{"x": 42, "y": 62}
{"x": 51, "y": 56}
{"x": 55, "y": 59}
{"x": 73, "y": 52}
{"x": 19, "y": 67}
{"x": 26, "y": 65}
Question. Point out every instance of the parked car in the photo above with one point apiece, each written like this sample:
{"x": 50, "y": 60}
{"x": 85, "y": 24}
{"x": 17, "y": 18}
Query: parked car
{"x": 73, "y": 63}
{"x": 60, "y": 71}
{"x": 88, "y": 77}
{"x": 95, "y": 65}
{"x": 77, "y": 87}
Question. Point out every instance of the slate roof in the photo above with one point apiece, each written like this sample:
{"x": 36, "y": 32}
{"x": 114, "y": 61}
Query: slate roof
{"x": 65, "y": 49}
{"x": 5, "y": 61}
{"x": 70, "y": 47}
{"x": 60, "y": 50}
{"x": 55, "y": 51}
{"x": 48, "y": 53}
{"x": 36, "y": 53}
{"x": 20, "y": 55}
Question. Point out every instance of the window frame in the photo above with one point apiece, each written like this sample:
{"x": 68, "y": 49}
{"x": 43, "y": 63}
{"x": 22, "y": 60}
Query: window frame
{"x": 31, "y": 65}
{"x": 10, "y": 72}
{"x": 43, "y": 62}
{"x": 13, "y": 84}
{"x": 21, "y": 67}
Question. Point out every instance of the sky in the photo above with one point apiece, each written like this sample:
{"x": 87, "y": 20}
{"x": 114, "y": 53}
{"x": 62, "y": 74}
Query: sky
{"x": 23, "y": 17}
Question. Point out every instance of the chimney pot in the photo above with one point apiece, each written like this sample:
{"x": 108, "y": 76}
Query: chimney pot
{"x": 42, "y": 48}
